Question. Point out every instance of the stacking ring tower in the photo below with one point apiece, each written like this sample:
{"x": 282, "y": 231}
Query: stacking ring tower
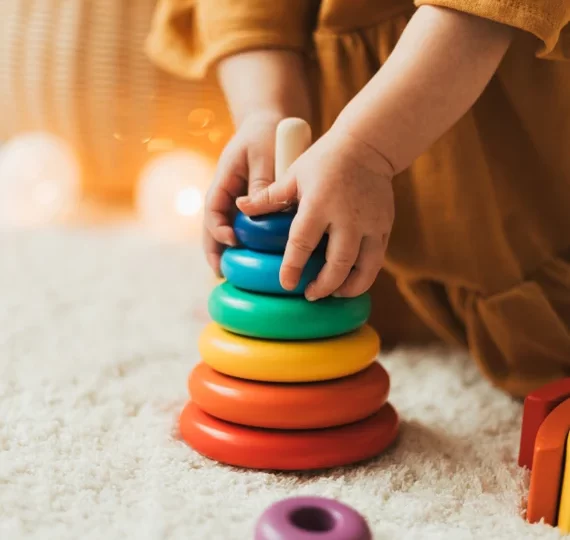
{"x": 284, "y": 383}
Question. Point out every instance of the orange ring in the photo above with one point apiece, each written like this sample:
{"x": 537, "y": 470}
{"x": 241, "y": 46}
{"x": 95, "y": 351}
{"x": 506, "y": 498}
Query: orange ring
{"x": 290, "y": 406}
{"x": 288, "y": 450}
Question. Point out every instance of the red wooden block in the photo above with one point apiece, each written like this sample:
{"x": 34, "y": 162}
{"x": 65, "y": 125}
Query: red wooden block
{"x": 537, "y": 406}
{"x": 548, "y": 466}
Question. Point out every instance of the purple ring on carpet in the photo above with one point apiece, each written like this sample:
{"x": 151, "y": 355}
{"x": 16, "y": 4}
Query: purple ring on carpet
{"x": 311, "y": 518}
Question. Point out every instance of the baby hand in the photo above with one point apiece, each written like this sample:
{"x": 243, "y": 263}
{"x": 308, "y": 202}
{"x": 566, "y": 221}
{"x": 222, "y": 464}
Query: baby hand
{"x": 245, "y": 166}
{"x": 344, "y": 188}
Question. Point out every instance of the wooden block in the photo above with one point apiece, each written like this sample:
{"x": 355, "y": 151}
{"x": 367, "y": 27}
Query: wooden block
{"x": 547, "y": 466}
{"x": 537, "y": 406}
{"x": 564, "y": 510}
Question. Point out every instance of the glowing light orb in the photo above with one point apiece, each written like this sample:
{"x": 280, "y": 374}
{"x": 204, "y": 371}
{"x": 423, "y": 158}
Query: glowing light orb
{"x": 39, "y": 181}
{"x": 171, "y": 192}
{"x": 215, "y": 135}
{"x": 189, "y": 201}
{"x": 200, "y": 121}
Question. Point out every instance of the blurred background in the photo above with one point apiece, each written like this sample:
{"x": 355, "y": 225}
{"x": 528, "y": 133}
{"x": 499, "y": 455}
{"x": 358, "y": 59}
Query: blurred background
{"x": 91, "y": 130}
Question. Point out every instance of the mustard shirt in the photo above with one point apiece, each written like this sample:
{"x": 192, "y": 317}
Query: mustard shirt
{"x": 188, "y": 36}
{"x": 480, "y": 250}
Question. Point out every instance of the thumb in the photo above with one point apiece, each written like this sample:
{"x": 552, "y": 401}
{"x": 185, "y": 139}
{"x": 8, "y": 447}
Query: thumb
{"x": 257, "y": 184}
{"x": 273, "y": 198}
{"x": 260, "y": 167}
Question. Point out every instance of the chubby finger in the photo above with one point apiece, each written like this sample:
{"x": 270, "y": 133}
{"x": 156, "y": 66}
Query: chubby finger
{"x": 304, "y": 236}
{"x": 219, "y": 226}
{"x": 273, "y": 198}
{"x": 213, "y": 251}
{"x": 218, "y": 216}
{"x": 369, "y": 262}
{"x": 260, "y": 159}
{"x": 229, "y": 183}
{"x": 342, "y": 253}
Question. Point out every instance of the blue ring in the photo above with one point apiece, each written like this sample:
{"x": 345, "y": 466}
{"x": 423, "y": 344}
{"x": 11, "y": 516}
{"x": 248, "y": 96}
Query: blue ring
{"x": 267, "y": 233}
{"x": 259, "y": 272}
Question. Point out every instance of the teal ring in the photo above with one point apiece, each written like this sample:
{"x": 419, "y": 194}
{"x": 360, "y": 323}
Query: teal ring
{"x": 259, "y": 272}
{"x": 286, "y": 318}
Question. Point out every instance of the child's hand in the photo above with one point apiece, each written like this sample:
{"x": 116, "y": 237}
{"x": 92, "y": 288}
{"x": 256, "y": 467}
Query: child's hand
{"x": 344, "y": 188}
{"x": 245, "y": 166}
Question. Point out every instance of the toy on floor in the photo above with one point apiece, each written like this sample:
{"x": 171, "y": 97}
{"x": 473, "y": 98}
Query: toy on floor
{"x": 311, "y": 518}
{"x": 564, "y": 508}
{"x": 537, "y": 406}
{"x": 545, "y": 431}
{"x": 285, "y": 384}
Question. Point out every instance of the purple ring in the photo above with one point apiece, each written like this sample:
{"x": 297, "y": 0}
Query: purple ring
{"x": 311, "y": 518}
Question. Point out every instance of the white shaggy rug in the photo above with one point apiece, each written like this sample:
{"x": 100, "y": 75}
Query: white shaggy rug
{"x": 97, "y": 336}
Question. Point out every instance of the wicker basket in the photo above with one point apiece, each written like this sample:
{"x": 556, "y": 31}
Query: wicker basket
{"x": 77, "y": 68}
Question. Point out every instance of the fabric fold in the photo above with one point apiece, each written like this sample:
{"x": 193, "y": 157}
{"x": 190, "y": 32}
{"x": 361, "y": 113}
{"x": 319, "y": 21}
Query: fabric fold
{"x": 547, "y": 20}
{"x": 187, "y": 37}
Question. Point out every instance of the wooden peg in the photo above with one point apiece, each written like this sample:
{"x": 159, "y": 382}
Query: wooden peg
{"x": 293, "y": 137}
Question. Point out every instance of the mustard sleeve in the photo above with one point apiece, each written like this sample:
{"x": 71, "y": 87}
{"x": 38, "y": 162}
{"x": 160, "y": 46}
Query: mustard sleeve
{"x": 188, "y": 36}
{"x": 545, "y": 19}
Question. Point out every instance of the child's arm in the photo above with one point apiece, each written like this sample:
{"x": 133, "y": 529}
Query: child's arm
{"x": 438, "y": 69}
{"x": 259, "y": 48}
{"x": 265, "y": 81}
{"x": 441, "y": 65}
{"x": 261, "y": 88}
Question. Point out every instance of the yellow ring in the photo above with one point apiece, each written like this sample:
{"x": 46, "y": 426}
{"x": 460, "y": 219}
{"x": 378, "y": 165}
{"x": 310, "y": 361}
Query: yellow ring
{"x": 289, "y": 361}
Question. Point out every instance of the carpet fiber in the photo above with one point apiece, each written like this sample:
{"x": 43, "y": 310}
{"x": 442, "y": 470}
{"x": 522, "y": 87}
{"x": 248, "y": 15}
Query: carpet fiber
{"x": 98, "y": 333}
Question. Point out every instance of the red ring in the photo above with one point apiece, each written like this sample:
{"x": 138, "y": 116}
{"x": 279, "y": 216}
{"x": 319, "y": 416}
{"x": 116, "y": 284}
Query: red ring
{"x": 288, "y": 450}
{"x": 289, "y": 406}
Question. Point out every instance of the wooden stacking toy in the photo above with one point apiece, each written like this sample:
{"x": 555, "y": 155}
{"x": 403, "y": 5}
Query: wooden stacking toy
{"x": 544, "y": 449}
{"x": 284, "y": 383}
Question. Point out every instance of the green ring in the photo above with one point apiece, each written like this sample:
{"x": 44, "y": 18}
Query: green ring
{"x": 286, "y": 317}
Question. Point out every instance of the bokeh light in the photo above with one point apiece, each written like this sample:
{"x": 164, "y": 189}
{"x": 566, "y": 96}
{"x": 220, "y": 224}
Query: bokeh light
{"x": 215, "y": 135}
{"x": 200, "y": 121}
{"x": 171, "y": 192}
{"x": 189, "y": 201}
{"x": 40, "y": 181}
